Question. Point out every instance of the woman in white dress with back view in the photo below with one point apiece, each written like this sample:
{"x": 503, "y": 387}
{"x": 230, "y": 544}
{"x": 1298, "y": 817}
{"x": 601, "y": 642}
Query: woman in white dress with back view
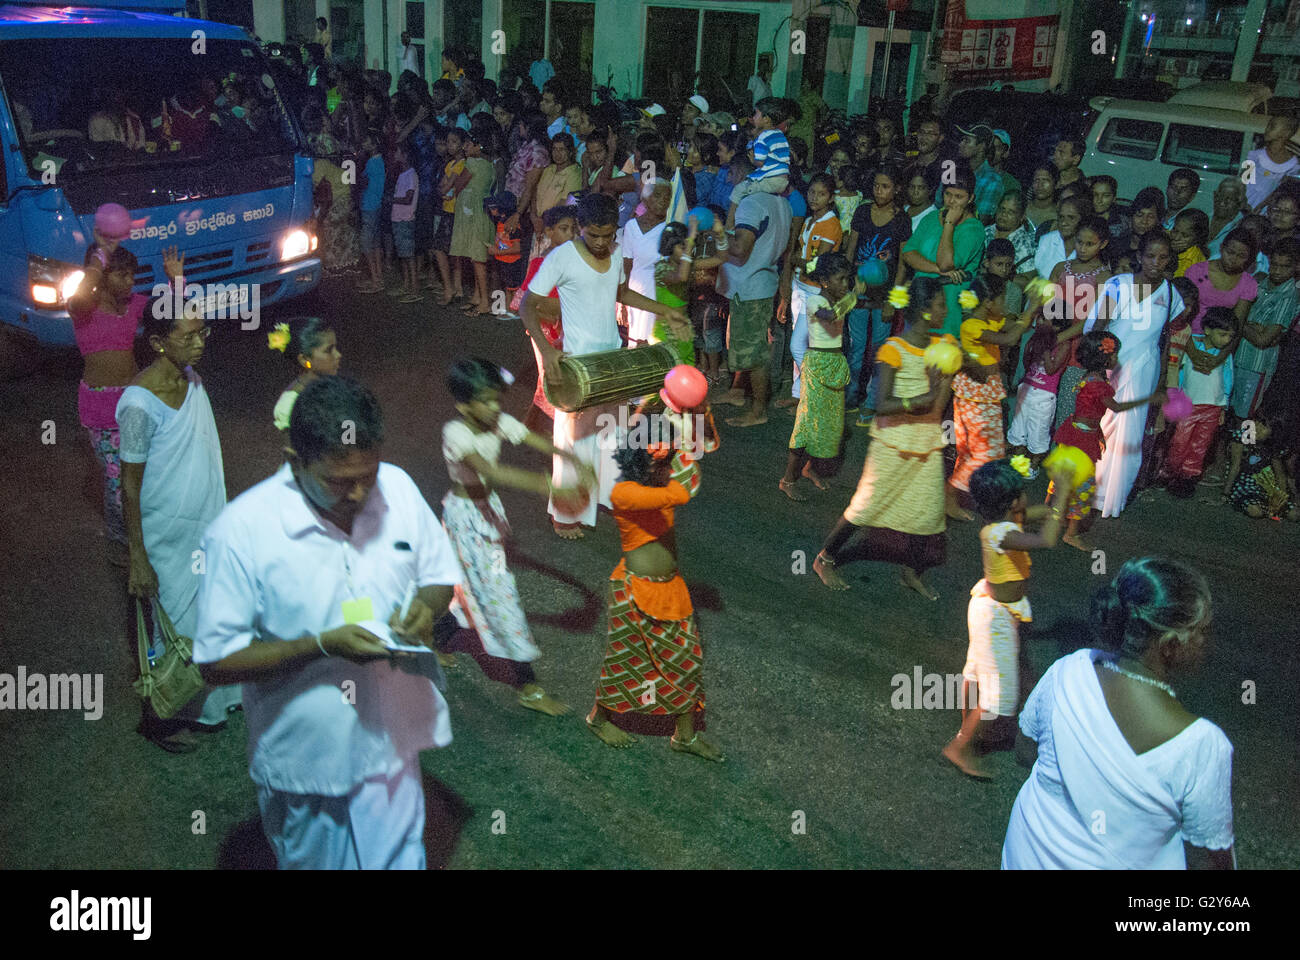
{"x": 1136, "y": 307}
{"x": 1124, "y": 776}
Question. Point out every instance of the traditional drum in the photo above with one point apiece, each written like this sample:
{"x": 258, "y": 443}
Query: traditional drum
{"x": 593, "y": 379}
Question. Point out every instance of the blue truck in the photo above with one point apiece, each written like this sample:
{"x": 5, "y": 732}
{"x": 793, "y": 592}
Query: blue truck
{"x": 176, "y": 119}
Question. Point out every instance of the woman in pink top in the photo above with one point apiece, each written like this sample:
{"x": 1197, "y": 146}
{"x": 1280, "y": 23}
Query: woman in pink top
{"x": 105, "y": 316}
{"x": 1226, "y": 281}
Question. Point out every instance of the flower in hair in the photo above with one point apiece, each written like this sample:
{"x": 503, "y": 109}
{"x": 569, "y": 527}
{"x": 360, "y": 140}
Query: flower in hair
{"x": 1107, "y": 345}
{"x": 278, "y": 338}
{"x": 899, "y": 298}
{"x": 968, "y": 300}
{"x": 507, "y": 377}
{"x": 1020, "y": 463}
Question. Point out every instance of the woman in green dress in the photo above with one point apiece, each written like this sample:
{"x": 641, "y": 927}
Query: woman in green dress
{"x": 472, "y": 233}
{"x": 949, "y": 244}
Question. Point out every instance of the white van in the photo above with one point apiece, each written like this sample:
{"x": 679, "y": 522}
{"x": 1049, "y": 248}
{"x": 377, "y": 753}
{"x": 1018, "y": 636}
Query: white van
{"x": 1208, "y": 127}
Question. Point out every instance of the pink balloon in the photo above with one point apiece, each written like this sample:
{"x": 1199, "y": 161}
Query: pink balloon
{"x": 113, "y": 221}
{"x": 684, "y": 388}
{"x": 1178, "y": 406}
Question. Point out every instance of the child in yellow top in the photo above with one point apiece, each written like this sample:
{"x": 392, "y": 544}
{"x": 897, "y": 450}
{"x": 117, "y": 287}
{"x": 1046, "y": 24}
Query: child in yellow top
{"x": 977, "y": 390}
{"x": 998, "y": 603}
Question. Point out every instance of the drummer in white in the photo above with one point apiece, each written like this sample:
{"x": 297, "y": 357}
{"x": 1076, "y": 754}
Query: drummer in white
{"x": 587, "y": 274}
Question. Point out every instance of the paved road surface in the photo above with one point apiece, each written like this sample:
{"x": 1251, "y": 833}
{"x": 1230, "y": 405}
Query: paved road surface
{"x": 798, "y": 679}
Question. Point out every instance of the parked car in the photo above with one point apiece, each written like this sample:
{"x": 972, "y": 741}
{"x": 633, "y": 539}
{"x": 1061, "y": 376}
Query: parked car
{"x": 1207, "y": 127}
{"x": 1035, "y": 121}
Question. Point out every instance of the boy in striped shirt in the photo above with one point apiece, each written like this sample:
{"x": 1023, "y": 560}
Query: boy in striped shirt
{"x": 771, "y": 156}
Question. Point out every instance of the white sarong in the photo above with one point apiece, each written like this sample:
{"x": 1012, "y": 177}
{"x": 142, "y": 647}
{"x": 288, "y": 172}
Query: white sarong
{"x": 378, "y": 826}
{"x": 183, "y": 490}
{"x": 993, "y": 655}
{"x": 592, "y": 436}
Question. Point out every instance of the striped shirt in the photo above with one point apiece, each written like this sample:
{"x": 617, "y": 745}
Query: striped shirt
{"x": 1276, "y": 306}
{"x": 771, "y": 155}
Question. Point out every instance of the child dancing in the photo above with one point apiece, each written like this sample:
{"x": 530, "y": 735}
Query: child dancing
{"x": 653, "y": 660}
{"x": 977, "y": 389}
{"x": 819, "y": 421}
{"x": 488, "y": 600}
{"x": 897, "y": 512}
{"x": 1098, "y": 354}
{"x": 1045, "y": 356}
{"x": 998, "y": 605}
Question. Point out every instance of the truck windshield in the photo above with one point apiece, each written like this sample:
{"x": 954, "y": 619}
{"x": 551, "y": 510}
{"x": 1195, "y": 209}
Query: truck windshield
{"x": 152, "y": 115}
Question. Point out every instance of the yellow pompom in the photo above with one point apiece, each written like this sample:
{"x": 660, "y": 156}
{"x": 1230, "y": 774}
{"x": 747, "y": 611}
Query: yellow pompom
{"x": 968, "y": 300}
{"x": 899, "y": 298}
{"x": 278, "y": 338}
{"x": 1020, "y": 463}
{"x": 1075, "y": 460}
{"x": 943, "y": 355}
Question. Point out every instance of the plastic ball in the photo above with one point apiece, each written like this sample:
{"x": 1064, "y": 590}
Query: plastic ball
{"x": 1178, "y": 406}
{"x": 874, "y": 273}
{"x": 703, "y": 217}
{"x": 946, "y": 356}
{"x": 113, "y": 221}
{"x": 1079, "y": 463}
{"x": 684, "y": 388}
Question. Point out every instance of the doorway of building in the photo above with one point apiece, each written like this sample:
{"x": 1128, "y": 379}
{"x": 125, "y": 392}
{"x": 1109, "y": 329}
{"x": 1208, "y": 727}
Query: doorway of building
{"x": 818, "y": 30}
{"x": 572, "y": 41}
{"x": 896, "y": 82}
{"x": 347, "y": 29}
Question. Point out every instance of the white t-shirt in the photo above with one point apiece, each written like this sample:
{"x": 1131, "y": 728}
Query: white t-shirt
{"x": 459, "y": 442}
{"x": 407, "y": 182}
{"x": 587, "y": 298}
{"x": 759, "y": 89}
{"x": 1268, "y": 174}
{"x": 411, "y": 58}
{"x": 643, "y": 250}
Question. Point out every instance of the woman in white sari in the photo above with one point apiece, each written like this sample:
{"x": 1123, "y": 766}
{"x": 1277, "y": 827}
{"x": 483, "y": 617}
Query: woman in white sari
{"x": 173, "y": 485}
{"x": 1124, "y": 777}
{"x": 1136, "y": 308}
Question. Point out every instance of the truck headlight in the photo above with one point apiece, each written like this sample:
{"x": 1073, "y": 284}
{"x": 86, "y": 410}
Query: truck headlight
{"x": 296, "y": 243}
{"x": 51, "y": 281}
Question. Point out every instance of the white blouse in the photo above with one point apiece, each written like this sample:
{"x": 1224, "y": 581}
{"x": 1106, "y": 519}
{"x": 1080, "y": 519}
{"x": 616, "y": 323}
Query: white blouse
{"x": 459, "y": 442}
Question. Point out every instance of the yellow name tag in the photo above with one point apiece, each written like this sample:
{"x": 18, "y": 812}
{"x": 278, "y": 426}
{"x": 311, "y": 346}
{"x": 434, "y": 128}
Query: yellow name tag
{"x": 355, "y": 611}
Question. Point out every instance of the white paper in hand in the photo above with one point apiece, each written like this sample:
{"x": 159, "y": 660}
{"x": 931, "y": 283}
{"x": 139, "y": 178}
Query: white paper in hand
{"x": 417, "y": 658}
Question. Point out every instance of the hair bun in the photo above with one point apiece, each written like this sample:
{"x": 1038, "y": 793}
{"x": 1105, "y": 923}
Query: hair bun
{"x": 1109, "y": 614}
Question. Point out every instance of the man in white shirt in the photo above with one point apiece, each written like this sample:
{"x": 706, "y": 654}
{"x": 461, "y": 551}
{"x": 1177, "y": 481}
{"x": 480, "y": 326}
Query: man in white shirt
{"x": 1274, "y": 161}
{"x": 307, "y": 573}
{"x": 410, "y": 55}
{"x": 760, "y": 84}
{"x": 587, "y": 274}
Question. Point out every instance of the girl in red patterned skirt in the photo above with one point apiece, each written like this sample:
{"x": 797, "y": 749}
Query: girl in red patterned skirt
{"x": 977, "y": 390}
{"x": 652, "y": 665}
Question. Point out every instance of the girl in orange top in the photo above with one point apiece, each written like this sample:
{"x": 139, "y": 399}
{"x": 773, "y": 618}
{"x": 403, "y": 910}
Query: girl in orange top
{"x": 652, "y": 664}
{"x": 998, "y": 603}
